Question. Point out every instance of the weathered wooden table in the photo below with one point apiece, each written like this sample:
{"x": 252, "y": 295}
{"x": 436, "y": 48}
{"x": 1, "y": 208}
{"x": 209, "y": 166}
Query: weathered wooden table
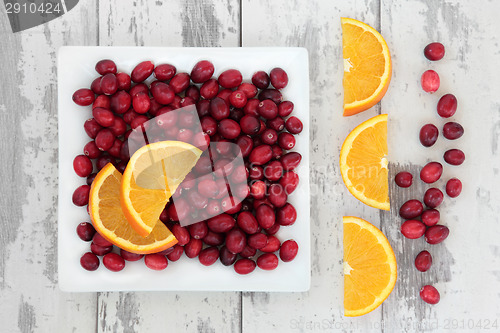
{"x": 466, "y": 266}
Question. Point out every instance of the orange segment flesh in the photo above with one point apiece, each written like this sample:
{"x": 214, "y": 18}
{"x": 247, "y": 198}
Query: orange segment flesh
{"x": 108, "y": 219}
{"x": 367, "y": 66}
{"x": 363, "y": 162}
{"x": 152, "y": 175}
{"x": 370, "y": 268}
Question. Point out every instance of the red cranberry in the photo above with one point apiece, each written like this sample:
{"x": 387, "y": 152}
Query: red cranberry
{"x": 430, "y": 81}
{"x": 156, "y": 261}
{"x": 261, "y": 80}
{"x": 267, "y": 261}
{"x": 113, "y": 262}
{"x": 411, "y": 209}
{"x": 287, "y": 215}
{"x": 81, "y": 195}
{"x": 179, "y": 82}
{"x": 248, "y": 252}
{"x": 214, "y": 238}
{"x": 176, "y": 253}
{"x": 194, "y": 93}
{"x": 274, "y": 229}
{"x": 193, "y": 248}
{"x": 82, "y": 165}
{"x": 257, "y": 241}
{"x": 164, "y": 72}
{"x": 289, "y": 250}
{"x": 119, "y": 126}
{"x": 92, "y": 127}
{"x": 273, "y": 171}
{"x": 436, "y": 234}
{"x": 221, "y": 223}
{"x": 103, "y": 117}
{"x": 95, "y": 86}
{"x": 90, "y": 178}
{"x": 209, "y": 256}
{"x": 98, "y": 239}
{"x": 230, "y": 78}
{"x": 267, "y": 109}
{"x": 271, "y": 94}
{"x": 431, "y": 172}
{"x": 277, "y": 152}
{"x": 429, "y": 294}
{"x": 428, "y": 135}
{"x": 289, "y": 181}
{"x": 447, "y": 106}
{"x": 109, "y": 84}
{"x": 219, "y": 109}
{"x": 89, "y": 261}
{"x": 100, "y": 250}
{"x": 138, "y": 88}
{"x": 433, "y": 197}
{"x": 413, "y": 229}
{"x": 258, "y": 189}
{"x": 227, "y": 258}
{"x": 209, "y": 89}
{"x": 102, "y": 161}
{"x": 142, "y": 71}
{"x": 229, "y": 129}
{"x": 265, "y": 216}
{"x": 285, "y": 108}
{"x": 248, "y": 89}
{"x": 453, "y": 187}
{"x": 104, "y": 139}
{"x": 202, "y": 71}
{"x": 404, "y": 179}
{"x": 85, "y": 231}
{"x": 248, "y": 223}
{"x": 250, "y": 125}
{"x": 269, "y": 136}
{"x": 454, "y": 156}
{"x": 102, "y": 101}
{"x": 124, "y": 81}
{"x": 290, "y": 160}
{"x": 434, "y": 51}
{"x": 286, "y": 140}
{"x": 105, "y": 66}
{"x": 430, "y": 217}
{"x": 235, "y": 240}
{"x": 244, "y": 266}
{"x": 181, "y": 234}
{"x": 277, "y": 124}
{"x": 116, "y": 148}
{"x": 423, "y": 261}
{"x": 452, "y": 130}
{"x": 83, "y": 97}
{"x": 208, "y": 188}
{"x": 141, "y": 103}
{"x": 256, "y": 173}
{"x": 163, "y": 93}
{"x": 273, "y": 244}
{"x": 129, "y": 116}
{"x": 294, "y": 125}
{"x": 261, "y": 155}
{"x": 251, "y": 107}
{"x": 198, "y": 230}
{"x": 279, "y": 78}
{"x": 238, "y": 99}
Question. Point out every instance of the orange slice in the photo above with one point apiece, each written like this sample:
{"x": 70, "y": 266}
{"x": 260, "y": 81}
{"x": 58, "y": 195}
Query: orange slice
{"x": 108, "y": 219}
{"x": 363, "y": 162}
{"x": 152, "y": 175}
{"x": 370, "y": 268}
{"x": 367, "y": 66}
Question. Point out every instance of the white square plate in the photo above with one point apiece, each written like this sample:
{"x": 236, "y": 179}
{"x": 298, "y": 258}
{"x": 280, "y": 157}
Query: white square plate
{"x": 76, "y": 70}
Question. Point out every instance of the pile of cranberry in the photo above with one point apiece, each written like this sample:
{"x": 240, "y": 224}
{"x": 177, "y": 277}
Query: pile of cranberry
{"x": 252, "y": 116}
{"x": 431, "y": 173}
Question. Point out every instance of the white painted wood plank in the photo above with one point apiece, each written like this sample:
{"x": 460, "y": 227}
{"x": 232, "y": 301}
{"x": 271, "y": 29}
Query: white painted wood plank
{"x": 170, "y": 23}
{"x": 465, "y": 268}
{"x": 31, "y": 300}
{"x": 316, "y": 26}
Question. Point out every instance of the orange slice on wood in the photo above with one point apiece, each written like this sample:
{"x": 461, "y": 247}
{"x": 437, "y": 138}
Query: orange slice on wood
{"x": 108, "y": 219}
{"x": 367, "y": 66}
{"x": 363, "y": 162}
{"x": 370, "y": 269}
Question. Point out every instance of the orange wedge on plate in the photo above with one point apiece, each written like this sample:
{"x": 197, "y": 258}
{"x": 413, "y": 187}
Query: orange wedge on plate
{"x": 108, "y": 219}
{"x": 151, "y": 177}
{"x": 370, "y": 268}
{"x": 367, "y": 66}
{"x": 363, "y": 162}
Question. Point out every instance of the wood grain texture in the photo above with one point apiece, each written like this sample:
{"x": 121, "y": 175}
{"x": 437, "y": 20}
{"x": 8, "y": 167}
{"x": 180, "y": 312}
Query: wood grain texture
{"x": 31, "y": 300}
{"x": 169, "y": 23}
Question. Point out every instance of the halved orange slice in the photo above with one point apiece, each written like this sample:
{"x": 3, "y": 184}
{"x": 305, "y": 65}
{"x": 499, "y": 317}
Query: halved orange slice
{"x": 108, "y": 219}
{"x": 370, "y": 269}
{"x": 367, "y": 66}
{"x": 363, "y": 162}
{"x": 151, "y": 177}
